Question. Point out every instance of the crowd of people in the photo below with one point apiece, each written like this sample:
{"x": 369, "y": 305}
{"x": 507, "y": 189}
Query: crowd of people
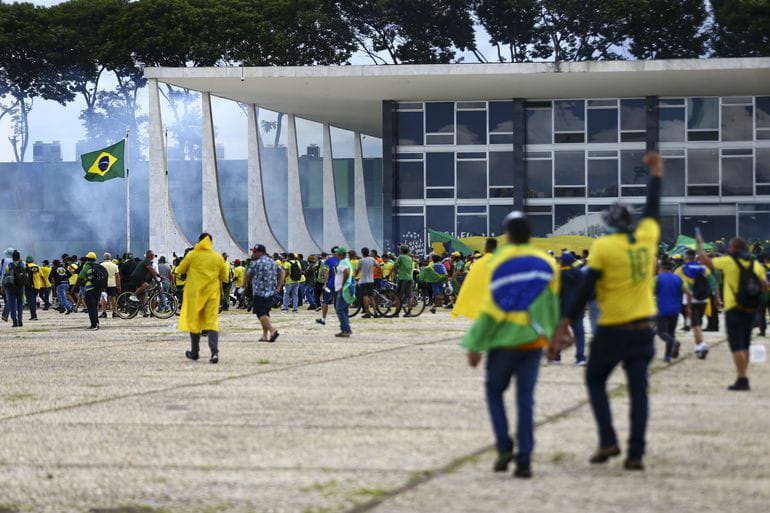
{"x": 523, "y": 301}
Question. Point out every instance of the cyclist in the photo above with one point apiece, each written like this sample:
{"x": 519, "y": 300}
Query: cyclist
{"x": 142, "y": 276}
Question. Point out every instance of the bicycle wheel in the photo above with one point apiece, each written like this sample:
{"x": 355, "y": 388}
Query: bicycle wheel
{"x": 419, "y": 300}
{"x": 162, "y": 305}
{"x": 355, "y": 308}
{"x": 387, "y": 303}
{"x": 127, "y": 308}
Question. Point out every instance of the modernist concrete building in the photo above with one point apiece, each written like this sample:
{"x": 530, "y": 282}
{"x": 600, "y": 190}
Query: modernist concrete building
{"x": 464, "y": 144}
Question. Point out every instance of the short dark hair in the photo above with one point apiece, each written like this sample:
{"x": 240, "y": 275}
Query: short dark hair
{"x": 204, "y": 235}
{"x": 365, "y": 252}
{"x": 519, "y": 230}
{"x": 690, "y": 253}
{"x": 666, "y": 265}
{"x": 491, "y": 244}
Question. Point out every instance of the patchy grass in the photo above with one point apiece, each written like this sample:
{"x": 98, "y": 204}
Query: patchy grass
{"x": 318, "y": 510}
{"x": 9, "y": 508}
{"x": 38, "y": 330}
{"x": 370, "y": 492}
{"x": 562, "y": 457}
{"x": 19, "y": 396}
{"x": 619, "y": 392}
{"x": 128, "y": 509}
{"x": 327, "y": 488}
{"x": 263, "y": 362}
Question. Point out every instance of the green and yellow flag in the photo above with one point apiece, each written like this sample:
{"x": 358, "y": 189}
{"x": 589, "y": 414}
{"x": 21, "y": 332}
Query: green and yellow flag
{"x": 105, "y": 164}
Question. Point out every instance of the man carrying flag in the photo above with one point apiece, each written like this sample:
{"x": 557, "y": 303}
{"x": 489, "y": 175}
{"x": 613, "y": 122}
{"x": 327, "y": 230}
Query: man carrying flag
{"x": 105, "y": 164}
{"x": 520, "y": 311}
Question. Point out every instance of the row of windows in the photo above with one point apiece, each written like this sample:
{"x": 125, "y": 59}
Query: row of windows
{"x": 581, "y": 173}
{"x": 583, "y": 121}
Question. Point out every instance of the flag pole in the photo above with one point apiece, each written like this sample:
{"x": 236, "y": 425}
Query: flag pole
{"x": 128, "y": 196}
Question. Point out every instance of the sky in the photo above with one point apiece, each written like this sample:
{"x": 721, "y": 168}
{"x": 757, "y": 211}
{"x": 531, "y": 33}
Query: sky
{"x": 50, "y": 121}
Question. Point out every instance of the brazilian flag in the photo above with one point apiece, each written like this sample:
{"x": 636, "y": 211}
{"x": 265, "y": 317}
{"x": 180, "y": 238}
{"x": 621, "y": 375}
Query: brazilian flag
{"x": 105, "y": 164}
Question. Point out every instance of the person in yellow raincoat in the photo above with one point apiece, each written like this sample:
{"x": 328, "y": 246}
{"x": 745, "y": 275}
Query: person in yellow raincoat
{"x": 205, "y": 272}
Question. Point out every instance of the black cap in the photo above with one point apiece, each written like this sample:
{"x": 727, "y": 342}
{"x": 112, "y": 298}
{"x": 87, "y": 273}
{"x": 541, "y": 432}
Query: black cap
{"x": 259, "y": 248}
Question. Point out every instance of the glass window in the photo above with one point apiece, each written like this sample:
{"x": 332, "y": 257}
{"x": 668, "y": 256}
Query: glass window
{"x": 703, "y": 113}
{"x": 471, "y": 225}
{"x": 501, "y": 192}
{"x": 737, "y": 176}
{"x": 440, "y": 169}
{"x": 411, "y": 231}
{"x": 501, "y": 168}
{"x": 471, "y": 127}
{"x": 409, "y": 128}
{"x": 632, "y": 170}
{"x": 440, "y": 117}
{"x": 409, "y": 180}
{"x": 763, "y": 165}
{"x": 763, "y": 111}
{"x": 569, "y": 116}
{"x": 448, "y": 193}
{"x": 702, "y": 166}
{"x": 737, "y": 123}
{"x": 673, "y": 184}
{"x": 633, "y": 114}
{"x": 500, "y": 117}
{"x": 602, "y": 125}
{"x": 496, "y": 215}
{"x": 538, "y": 178}
{"x": 471, "y": 179}
{"x": 569, "y": 168}
{"x": 441, "y": 218}
{"x": 671, "y": 124}
{"x": 603, "y": 178}
{"x": 540, "y": 224}
{"x": 569, "y": 219}
{"x": 539, "y": 126}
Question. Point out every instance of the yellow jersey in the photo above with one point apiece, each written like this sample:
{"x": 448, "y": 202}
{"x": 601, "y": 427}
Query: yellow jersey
{"x": 625, "y": 289}
{"x": 287, "y": 267}
{"x": 238, "y": 273}
{"x": 45, "y": 272}
{"x": 731, "y": 276}
{"x": 73, "y": 268}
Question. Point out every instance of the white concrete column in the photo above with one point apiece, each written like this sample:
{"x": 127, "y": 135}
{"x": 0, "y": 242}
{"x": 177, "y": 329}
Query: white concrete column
{"x": 213, "y": 215}
{"x": 165, "y": 235}
{"x": 258, "y": 223}
{"x": 363, "y": 231}
{"x": 332, "y": 231}
{"x": 300, "y": 240}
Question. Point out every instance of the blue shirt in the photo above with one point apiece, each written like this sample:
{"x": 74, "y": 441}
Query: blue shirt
{"x": 264, "y": 276}
{"x": 669, "y": 294}
{"x": 331, "y": 263}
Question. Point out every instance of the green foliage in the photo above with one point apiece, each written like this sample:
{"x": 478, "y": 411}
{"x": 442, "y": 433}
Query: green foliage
{"x": 661, "y": 29}
{"x": 741, "y": 28}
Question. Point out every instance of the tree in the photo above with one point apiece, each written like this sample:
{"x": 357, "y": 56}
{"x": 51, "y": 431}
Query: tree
{"x": 511, "y": 24}
{"x": 741, "y": 28}
{"x": 411, "y": 31}
{"x": 29, "y": 65}
{"x": 661, "y": 29}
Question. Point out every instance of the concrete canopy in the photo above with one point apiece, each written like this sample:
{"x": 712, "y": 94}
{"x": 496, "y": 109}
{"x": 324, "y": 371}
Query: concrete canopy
{"x": 350, "y": 97}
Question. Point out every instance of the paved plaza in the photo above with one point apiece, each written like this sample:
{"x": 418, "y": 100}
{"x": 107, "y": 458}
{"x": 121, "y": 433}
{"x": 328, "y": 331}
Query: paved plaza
{"x": 390, "y": 420}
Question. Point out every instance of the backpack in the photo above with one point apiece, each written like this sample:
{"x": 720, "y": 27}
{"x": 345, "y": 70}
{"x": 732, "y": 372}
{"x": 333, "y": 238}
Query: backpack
{"x": 19, "y": 274}
{"x": 701, "y": 289}
{"x": 99, "y": 276}
{"x": 295, "y": 271}
{"x": 749, "y": 293}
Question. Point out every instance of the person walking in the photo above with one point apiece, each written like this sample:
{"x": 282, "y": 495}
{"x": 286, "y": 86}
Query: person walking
{"x": 205, "y": 272}
{"x": 344, "y": 291}
{"x": 669, "y": 289}
{"x": 402, "y": 270}
{"x": 60, "y": 281}
{"x": 91, "y": 292}
{"x": 113, "y": 286}
{"x": 329, "y": 271}
{"x": 570, "y": 280}
{"x": 520, "y": 310}
{"x": 45, "y": 292}
{"x": 366, "y": 267}
{"x": 622, "y": 270}
{"x": 295, "y": 279}
{"x": 33, "y": 287}
{"x": 15, "y": 279}
{"x": 744, "y": 286}
{"x": 7, "y": 260}
{"x": 266, "y": 278}
{"x": 701, "y": 285}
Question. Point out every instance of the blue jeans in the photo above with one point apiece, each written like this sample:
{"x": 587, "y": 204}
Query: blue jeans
{"x": 341, "y": 307}
{"x": 291, "y": 290}
{"x": 635, "y": 349}
{"x": 501, "y": 366}
{"x": 31, "y": 295}
{"x": 308, "y": 289}
{"x": 593, "y": 315}
{"x": 580, "y": 338}
{"x": 15, "y": 302}
{"x": 61, "y": 295}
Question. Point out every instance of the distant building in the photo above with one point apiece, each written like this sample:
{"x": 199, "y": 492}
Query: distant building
{"x": 46, "y": 152}
{"x": 313, "y": 150}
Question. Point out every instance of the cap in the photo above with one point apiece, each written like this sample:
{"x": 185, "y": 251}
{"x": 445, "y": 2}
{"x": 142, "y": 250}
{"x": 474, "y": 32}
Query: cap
{"x": 30, "y": 258}
{"x": 107, "y": 256}
{"x": 404, "y": 247}
{"x": 567, "y": 258}
{"x": 91, "y": 256}
{"x": 236, "y": 261}
{"x": 456, "y": 254}
{"x": 339, "y": 250}
{"x": 259, "y": 248}
{"x": 9, "y": 252}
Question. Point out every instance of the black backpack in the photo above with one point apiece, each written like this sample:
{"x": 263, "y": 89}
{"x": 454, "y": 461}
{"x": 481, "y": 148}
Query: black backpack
{"x": 20, "y": 275}
{"x": 295, "y": 271}
{"x": 749, "y": 293}
{"x": 701, "y": 289}
{"x": 99, "y": 276}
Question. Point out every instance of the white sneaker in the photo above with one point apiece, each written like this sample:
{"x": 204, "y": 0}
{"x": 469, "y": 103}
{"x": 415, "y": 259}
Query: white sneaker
{"x": 133, "y": 298}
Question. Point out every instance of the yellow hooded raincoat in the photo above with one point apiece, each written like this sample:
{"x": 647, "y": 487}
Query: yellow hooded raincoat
{"x": 200, "y": 304}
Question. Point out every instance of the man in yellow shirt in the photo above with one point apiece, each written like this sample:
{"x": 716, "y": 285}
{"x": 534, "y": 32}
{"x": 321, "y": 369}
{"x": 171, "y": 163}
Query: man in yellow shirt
{"x": 294, "y": 278}
{"x": 622, "y": 271}
{"x": 238, "y": 273}
{"x": 33, "y": 287}
{"x": 744, "y": 286}
{"x": 45, "y": 292}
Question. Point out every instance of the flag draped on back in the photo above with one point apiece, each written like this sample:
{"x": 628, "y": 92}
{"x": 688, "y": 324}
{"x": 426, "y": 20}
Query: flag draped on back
{"x": 105, "y": 164}
{"x": 520, "y": 303}
{"x": 450, "y": 244}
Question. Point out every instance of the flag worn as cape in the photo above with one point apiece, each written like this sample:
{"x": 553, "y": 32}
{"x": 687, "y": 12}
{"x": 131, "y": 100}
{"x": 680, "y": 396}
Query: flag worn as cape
{"x": 475, "y": 285}
{"x": 450, "y": 244}
{"x": 349, "y": 287}
{"x": 520, "y": 304}
{"x": 429, "y": 275}
{"x": 105, "y": 164}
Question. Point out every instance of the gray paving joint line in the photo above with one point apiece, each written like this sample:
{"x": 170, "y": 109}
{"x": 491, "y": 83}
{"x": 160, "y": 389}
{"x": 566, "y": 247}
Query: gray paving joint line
{"x": 220, "y": 380}
{"x": 457, "y": 463}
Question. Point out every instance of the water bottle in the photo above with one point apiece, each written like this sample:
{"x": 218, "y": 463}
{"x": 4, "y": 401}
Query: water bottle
{"x": 757, "y": 353}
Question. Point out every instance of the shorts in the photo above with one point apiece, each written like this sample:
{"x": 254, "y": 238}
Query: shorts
{"x": 135, "y": 283}
{"x": 262, "y": 305}
{"x": 438, "y": 289}
{"x": 82, "y": 291}
{"x": 739, "y": 326}
{"x": 365, "y": 289}
{"x": 405, "y": 289}
{"x": 696, "y": 314}
{"x": 112, "y": 291}
{"x": 330, "y": 297}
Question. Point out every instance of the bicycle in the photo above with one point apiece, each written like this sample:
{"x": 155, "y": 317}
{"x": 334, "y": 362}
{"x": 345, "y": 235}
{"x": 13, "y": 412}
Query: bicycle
{"x": 159, "y": 303}
{"x": 386, "y": 301}
{"x": 418, "y": 300}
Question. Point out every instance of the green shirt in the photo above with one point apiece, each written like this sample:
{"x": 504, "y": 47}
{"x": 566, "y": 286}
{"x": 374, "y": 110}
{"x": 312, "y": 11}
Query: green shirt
{"x": 404, "y": 264}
